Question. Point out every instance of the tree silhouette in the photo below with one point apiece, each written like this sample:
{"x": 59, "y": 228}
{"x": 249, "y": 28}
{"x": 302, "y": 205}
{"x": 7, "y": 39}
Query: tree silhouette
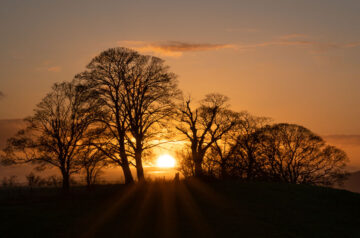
{"x": 186, "y": 163}
{"x": 293, "y": 154}
{"x": 55, "y": 132}
{"x": 137, "y": 92}
{"x": 235, "y": 154}
{"x": 123, "y": 104}
{"x": 246, "y": 147}
{"x": 222, "y": 152}
{"x": 92, "y": 161}
{"x": 204, "y": 125}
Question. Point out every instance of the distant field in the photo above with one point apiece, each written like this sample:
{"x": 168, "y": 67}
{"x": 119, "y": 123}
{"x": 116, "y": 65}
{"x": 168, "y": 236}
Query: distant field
{"x": 186, "y": 209}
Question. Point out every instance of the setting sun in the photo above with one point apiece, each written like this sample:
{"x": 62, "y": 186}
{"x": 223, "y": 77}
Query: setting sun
{"x": 165, "y": 161}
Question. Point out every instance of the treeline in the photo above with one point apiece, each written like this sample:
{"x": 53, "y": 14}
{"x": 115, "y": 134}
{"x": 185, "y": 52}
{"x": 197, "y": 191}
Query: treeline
{"x": 124, "y": 104}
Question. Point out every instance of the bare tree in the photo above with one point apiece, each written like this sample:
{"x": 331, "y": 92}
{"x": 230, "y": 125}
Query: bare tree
{"x": 92, "y": 161}
{"x": 204, "y": 125}
{"x": 221, "y": 154}
{"x": 186, "y": 163}
{"x": 11, "y": 181}
{"x": 294, "y": 154}
{"x": 105, "y": 75}
{"x": 235, "y": 154}
{"x": 150, "y": 91}
{"x": 34, "y": 180}
{"x": 246, "y": 160}
{"x": 55, "y": 132}
{"x": 137, "y": 92}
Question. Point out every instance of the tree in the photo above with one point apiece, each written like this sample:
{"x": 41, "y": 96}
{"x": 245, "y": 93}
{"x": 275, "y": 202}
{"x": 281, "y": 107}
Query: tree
{"x": 221, "y": 154}
{"x": 150, "y": 91}
{"x": 245, "y": 150}
{"x": 137, "y": 92}
{"x": 235, "y": 154}
{"x": 204, "y": 126}
{"x": 34, "y": 180}
{"x": 293, "y": 154}
{"x": 186, "y": 164}
{"x": 92, "y": 161}
{"x": 56, "y": 130}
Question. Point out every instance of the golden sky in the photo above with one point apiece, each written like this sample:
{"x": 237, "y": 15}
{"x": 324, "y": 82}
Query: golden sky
{"x": 293, "y": 60}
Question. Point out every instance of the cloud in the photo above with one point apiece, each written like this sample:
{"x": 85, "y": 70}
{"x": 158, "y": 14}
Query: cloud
{"x": 55, "y": 69}
{"x": 172, "y": 48}
{"x": 300, "y": 40}
{"x": 353, "y": 44}
{"x": 2, "y": 95}
{"x": 178, "y": 48}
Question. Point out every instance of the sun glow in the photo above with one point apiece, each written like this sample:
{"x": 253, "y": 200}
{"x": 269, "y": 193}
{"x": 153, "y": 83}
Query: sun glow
{"x": 166, "y": 161}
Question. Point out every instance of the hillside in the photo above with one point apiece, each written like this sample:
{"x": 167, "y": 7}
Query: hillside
{"x": 353, "y": 182}
{"x": 189, "y": 209}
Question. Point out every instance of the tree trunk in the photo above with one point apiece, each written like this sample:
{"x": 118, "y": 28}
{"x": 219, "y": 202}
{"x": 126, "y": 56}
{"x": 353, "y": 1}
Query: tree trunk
{"x": 139, "y": 166}
{"x": 223, "y": 172}
{"x": 88, "y": 179}
{"x": 198, "y": 170}
{"x": 125, "y": 165}
{"x": 127, "y": 173}
{"x": 66, "y": 180}
{"x": 250, "y": 175}
{"x": 199, "y": 173}
{"x": 138, "y": 159}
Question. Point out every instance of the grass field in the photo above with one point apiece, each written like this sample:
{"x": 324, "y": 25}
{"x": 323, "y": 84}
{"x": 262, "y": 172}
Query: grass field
{"x": 185, "y": 209}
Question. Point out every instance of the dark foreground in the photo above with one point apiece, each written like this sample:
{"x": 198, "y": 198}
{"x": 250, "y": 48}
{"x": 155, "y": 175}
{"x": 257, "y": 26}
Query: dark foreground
{"x": 187, "y": 209}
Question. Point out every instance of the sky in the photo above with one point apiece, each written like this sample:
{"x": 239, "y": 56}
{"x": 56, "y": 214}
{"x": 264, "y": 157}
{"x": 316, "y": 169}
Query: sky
{"x": 295, "y": 61}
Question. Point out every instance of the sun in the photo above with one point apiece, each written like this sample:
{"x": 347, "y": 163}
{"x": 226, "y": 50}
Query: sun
{"x": 166, "y": 161}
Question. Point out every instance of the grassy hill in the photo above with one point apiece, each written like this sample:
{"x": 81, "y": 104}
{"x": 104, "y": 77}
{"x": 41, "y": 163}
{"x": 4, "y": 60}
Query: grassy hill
{"x": 353, "y": 182}
{"x": 186, "y": 209}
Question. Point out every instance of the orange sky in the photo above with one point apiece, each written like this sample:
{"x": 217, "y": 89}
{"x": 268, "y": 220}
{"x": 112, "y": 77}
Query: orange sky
{"x": 294, "y": 61}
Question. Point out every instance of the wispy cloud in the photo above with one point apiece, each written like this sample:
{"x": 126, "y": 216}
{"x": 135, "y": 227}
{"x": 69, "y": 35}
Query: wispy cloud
{"x": 300, "y": 40}
{"x": 54, "y": 69}
{"x": 46, "y": 66}
{"x": 172, "y": 48}
{"x": 352, "y": 45}
{"x": 178, "y": 48}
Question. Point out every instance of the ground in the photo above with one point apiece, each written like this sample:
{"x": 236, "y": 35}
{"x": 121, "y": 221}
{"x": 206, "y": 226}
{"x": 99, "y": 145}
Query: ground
{"x": 185, "y": 209}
